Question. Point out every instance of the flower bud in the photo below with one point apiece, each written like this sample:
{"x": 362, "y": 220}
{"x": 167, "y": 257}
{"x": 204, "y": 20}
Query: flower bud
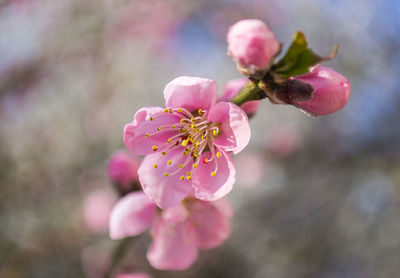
{"x": 233, "y": 87}
{"x": 252, "y": 45}
{"x": 122, "y": 170}
{"x": 331, "y": 91}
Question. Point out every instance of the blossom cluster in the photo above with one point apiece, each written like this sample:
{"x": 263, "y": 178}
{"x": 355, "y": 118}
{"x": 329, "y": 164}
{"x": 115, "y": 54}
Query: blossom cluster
{"x": 177, "y": 191}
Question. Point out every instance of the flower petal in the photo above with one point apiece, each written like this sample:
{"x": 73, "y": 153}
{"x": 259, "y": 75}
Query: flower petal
{"x": 191, "y": 93}
{"x": 212, "y": 227}
{"x": 165, "y": 191}
{"x": 234, "y": 126}
{"x": 173, "y": 247}
{"x": 132, "y": 215}
{"x": 224, "y": 207}
{"x": 209, "y": 187}
{"x": 134, "y": 133}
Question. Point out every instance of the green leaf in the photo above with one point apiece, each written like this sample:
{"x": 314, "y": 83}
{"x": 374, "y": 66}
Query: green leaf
{"x": 299, "y": 58}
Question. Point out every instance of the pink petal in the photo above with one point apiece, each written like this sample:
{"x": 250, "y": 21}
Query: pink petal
{"x": 165, "y": 191}
{"x": 212, "y": 227}
{"x": 134, "y": 133}
{"x": 232, "y": 88}
{"x": 224, "y": 207}
{"x": 209, "y": 187}
{"x": 173, "y": 246}
{"x": 191, "y": 93}
{"x": 234, "y": 126}
{"x": 175, "y": 214}
{"x": 96, "y": 210}
{"x": 133, "y": 275}
{"x": 132, "y": 215}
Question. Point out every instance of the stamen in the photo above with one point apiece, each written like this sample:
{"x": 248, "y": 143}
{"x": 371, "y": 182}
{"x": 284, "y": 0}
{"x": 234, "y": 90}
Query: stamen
{"x": 213, "y": 174}
{"x": 182, "y": 178}
{"x": 180, "y": 165}
{"x": 155, "y": 166}
{"x": 169, "y": 162}
{"x": 163, "y": 153}
{"x": 154, "y": 148}
{"x": 166, "y": 110}
{"x": 147, "y": 135}
{"x": 194, "y": 165}
{"x": 166, "y": 174}
{"x": 151, "y": 118}
{"x": 218, "y": 154}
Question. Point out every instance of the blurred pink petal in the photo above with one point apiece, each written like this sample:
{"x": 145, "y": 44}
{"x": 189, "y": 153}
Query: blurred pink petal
{"x": 211, "y": 225}
{"x": 232, "y": 87}
{"x": 250, "y": 169}
{"x": 133, "y": 275}
{"x": 173, "y": 246}
{"x": 132, "y": 215}
{"x": 96, "y": 210}
{"x": 281, "y": 141}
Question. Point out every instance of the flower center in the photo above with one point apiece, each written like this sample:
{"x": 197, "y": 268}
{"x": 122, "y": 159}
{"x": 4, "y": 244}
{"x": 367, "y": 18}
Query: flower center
{"x": 194, "y": 135}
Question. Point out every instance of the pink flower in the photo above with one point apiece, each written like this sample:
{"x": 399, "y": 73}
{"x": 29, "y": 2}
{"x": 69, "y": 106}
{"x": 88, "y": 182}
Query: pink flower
{"x": 233, "y": 87}
{"x": 331, "y": 91}
{"x": 282, "y": 140}
{"x": 187, "y": 144}
{"x": 251, "y": 44}
{"x": 133, "y": 275}
{"x": 96, "y": 210}
{"x": 122, "y": 169}
{"x": 177, "y": 232}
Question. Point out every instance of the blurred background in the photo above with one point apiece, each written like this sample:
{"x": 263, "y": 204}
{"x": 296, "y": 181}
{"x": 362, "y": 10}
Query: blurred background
{"x": 314, "y": 198}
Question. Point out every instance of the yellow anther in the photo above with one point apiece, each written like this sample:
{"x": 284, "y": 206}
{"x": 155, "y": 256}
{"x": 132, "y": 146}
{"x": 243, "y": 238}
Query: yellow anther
{"x": 200, "y": 111}
{"x": 195, "y": 155}
{"x": 169, "y": 162}
{"x": 173, "y": 126}
{"x": 169, "y": 140}
{"x": 189, "y": 178}
{"x": 154, "y": 148}
{"x": 147, "y": 135}
{"x": 192, "y": 126}
{"x": 185, "y": 142}
{"x": 179, "y": 110}
{"x": 212, "y": 174}
{"x": 185, "y": 153}
{"x": 182, "y": 178}
{"x": 194, "y": 165}
{"x": 188, "y": 173}
{"x": 215, "y": 132}
{"x": 180, "y": 165}
{"x": 218, "y": 154}
{"x": 151, "y": 118}
{"x": 158, "y": 128}
{"x": 191, "y": 119}
{"x": 163, "y": 153}
{"x": 166, "y": 110}
{"x": 155, "y": 166}
{"x": 182, "y": 121}
{"x": 202, "y": 137}
{"x": 166, "y": 174}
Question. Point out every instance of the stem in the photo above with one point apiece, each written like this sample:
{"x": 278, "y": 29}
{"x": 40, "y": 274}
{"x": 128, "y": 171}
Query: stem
{"x": 118, "y": 254}
{"x": 250, "y": 91}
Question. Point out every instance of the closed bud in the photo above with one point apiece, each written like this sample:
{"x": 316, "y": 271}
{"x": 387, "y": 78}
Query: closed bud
{"x": 252, "y": 46}
{"x": 330, "y": 91}
{"x": 122, "y": 170}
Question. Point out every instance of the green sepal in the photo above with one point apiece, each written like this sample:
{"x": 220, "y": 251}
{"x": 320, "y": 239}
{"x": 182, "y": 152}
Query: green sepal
{"x": 299, "y": 58}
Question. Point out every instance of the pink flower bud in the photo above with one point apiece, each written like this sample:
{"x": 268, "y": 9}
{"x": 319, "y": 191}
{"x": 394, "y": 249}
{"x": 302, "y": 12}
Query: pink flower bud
{"x": 251, "y": 44}
{"x": 232, "y": 87}
{"x": 331, "y": 91}
{"x": 122, "y": 169}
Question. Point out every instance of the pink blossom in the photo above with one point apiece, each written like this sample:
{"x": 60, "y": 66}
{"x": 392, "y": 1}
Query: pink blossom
{"x": 231, "y": 89}
{"x": 178, "y": 232}
{"x": 282, "y": 140}
{"x": 133, "y": 275}
{"x": 96, "y": 210}
{"x": 187, "y": 144}
{"x": 251, "y": 169}
{"x": 122, "y": 169}
{"x": 251, "y": 44}
{"x": 331, "y": 91}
